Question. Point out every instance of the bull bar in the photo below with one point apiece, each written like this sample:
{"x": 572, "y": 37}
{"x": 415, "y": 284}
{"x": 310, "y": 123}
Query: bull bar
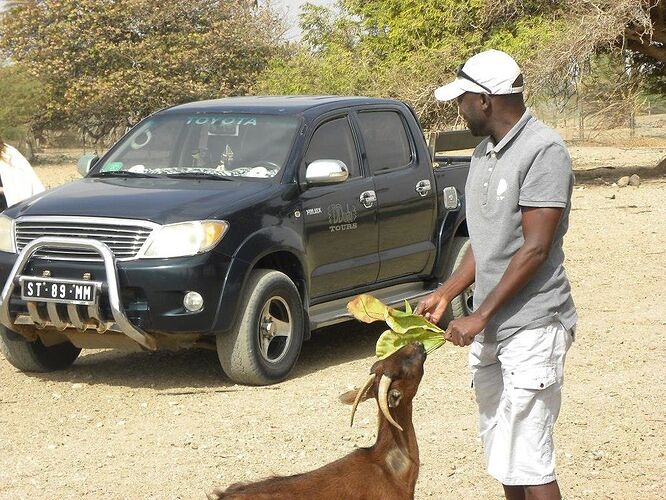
{"x": 122, "y": 323}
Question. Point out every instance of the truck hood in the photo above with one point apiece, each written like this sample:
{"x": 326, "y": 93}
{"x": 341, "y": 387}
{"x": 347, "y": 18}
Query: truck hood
{"x": 163, "y": 201}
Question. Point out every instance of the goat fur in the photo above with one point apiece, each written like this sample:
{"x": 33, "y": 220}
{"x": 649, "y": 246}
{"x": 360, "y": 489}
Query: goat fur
{"x": 385, "y": 471}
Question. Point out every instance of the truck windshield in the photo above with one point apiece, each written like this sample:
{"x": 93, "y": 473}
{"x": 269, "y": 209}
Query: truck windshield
{"x": 205, "y": 145}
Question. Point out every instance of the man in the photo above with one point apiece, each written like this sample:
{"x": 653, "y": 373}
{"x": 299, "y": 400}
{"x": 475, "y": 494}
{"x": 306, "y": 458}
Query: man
{"x": 518, "y": 197}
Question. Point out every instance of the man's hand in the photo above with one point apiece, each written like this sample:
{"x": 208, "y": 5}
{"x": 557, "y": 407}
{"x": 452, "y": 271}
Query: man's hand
{"x": 461, "y": 332}
{"x": 432, "y": 307}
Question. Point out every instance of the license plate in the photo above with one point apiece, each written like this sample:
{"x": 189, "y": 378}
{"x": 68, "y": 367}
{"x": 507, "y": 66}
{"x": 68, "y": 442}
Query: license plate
{"x": 59, "y": 290}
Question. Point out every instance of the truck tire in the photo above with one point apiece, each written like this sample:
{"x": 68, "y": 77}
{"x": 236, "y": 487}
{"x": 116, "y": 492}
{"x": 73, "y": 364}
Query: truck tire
{"x": 34, "y": 356}
{"x": 265, "y": 343}
{"x": 461, "y": 305}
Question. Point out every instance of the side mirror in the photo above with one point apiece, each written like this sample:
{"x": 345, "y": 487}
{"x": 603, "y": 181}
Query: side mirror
{"x": 326, "y": 172}
{"x": 85, "y": 163}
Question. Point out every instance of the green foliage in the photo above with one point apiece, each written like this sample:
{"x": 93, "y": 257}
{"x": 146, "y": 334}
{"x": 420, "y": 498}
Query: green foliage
{"x": 22, "y": 98}
{"x": 326, "y": 28}
{"x": 396, "y": 28}
{"x": 404, "y": 326}
{"x": 524, "y": 37}
{"x": 406, "y": 48}
{"x": 338, "y": 72}
{"x": 107, "y": 63}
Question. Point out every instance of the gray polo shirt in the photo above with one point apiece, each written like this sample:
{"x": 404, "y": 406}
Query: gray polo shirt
{"x": 529, "y": 167}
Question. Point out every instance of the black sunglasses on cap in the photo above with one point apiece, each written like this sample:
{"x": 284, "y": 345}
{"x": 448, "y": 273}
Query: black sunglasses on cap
{"x": 461, "y": 74}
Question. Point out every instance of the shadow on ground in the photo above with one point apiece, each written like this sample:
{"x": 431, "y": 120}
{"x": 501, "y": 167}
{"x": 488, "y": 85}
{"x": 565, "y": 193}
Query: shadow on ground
{"x": 609, "y": 175}
{"x": 336, "y": 345}
{"x": 196, "y": 370}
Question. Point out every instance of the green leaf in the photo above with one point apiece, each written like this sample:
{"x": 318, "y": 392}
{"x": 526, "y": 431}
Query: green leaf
{"x": 391, "y": 341}
{"x": 405, "y": 326}
{"x": 401, "y": 322}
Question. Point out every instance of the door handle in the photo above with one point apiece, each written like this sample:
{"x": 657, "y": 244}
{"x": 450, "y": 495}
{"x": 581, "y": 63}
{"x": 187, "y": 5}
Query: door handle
{"x": 368, "y": 198}
{"x": 423, "y": 187}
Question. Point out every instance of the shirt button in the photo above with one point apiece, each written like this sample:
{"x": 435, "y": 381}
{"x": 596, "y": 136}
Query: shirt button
{"x": 490, "y": 169}
{"x": 485, "y": 184}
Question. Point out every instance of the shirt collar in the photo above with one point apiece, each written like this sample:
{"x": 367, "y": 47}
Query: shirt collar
{"x": 515, "y": 130}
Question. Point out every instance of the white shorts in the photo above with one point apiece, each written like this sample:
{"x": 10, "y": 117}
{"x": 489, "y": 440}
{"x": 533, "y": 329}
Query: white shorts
{"x": 518, "y": 384}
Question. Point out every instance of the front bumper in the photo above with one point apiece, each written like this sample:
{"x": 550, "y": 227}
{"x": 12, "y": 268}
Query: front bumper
{"x": 142, "y": 299}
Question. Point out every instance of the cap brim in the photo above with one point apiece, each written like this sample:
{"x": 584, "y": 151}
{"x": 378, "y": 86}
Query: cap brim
{"x": 449, "y": 91}
{"x": 457, "y": 88}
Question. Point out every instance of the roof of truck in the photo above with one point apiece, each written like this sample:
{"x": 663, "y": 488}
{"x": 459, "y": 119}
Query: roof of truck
{"x": 275, "y": 104}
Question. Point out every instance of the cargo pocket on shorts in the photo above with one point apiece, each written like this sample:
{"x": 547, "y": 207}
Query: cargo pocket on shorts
{"x": 535, "y": 379}
{"x": 530, "y": 401}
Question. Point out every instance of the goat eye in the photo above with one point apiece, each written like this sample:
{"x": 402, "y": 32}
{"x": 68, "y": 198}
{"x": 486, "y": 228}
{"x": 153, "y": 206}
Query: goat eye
{"x": 394, "y": 398}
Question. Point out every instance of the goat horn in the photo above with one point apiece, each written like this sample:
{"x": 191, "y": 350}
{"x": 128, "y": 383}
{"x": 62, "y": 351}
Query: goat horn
{"x": 382, "y": 399}
{"x": 359, "y": 395}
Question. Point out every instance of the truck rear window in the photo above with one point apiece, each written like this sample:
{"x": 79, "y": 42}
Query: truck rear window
{"x": 224, "y": 144}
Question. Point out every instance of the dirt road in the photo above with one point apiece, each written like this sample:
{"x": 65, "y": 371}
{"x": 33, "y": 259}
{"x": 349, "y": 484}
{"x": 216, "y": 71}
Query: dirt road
{"x": 168, "y": 425}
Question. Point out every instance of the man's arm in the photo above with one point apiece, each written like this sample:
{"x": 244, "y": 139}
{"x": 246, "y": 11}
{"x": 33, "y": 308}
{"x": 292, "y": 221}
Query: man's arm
{"x": 434, "y": 305}
{"x": 539, "y": 227}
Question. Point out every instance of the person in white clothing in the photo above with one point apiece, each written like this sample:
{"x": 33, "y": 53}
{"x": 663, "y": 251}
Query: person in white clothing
{"x": 17, "y": 178}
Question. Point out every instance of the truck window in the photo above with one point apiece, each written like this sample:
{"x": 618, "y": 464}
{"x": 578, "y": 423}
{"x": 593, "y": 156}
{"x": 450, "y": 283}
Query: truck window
{"x": 334, "y": 141}
{"x": 385, "y": 138}
{"x": 224, "y": 144}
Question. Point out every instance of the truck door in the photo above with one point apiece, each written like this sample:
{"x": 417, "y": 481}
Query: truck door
{"x": 340, "y": 229}
{"x": 406, "y": 194}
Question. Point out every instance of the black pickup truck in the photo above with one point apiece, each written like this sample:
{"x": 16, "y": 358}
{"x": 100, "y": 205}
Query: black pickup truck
{"x": 239, "y": 224}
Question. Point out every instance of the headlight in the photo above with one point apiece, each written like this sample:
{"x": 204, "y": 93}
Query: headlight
{"x": 7, "y": 234}
{"x": 184, "y": 238}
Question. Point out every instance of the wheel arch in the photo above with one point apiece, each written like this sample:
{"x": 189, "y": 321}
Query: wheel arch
{"x": 288, "y": 263}
{"x": 453, "y": 225}
{"x": 277, "y": 248}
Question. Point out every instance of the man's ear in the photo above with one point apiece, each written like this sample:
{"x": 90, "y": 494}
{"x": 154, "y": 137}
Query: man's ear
{"x": 486, "y": 101}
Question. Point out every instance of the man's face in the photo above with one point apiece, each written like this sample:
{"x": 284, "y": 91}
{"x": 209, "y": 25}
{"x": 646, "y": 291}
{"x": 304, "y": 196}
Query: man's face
{"x": 470, "y": 107}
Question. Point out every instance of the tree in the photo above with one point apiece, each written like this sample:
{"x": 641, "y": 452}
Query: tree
{"x": 406, "y": 48}
{"x": 22, "y": 97}
{"x": 107, "y": 63}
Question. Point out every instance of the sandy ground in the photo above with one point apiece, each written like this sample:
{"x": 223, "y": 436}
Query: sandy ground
{"x": 169, "y": 425}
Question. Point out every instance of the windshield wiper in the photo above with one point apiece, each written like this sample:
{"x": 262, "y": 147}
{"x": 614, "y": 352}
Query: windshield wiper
{"x": 122, "y": 173}
{"x": 197, "y": 175}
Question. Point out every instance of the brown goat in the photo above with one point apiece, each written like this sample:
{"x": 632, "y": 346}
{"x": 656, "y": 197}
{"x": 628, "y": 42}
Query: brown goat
{"x": 385, "y": 471}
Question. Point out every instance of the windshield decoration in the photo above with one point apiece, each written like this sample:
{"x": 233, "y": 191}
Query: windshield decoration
{"x": 113, "y": 166}
{"x": 225, "y": 125}
{"x": 227, "y": 156}
{"x": 222, "y": 120}
{"x": 141, "y": 139}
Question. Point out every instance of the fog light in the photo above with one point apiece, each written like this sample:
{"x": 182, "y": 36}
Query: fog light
{"x": 193, "y": 301}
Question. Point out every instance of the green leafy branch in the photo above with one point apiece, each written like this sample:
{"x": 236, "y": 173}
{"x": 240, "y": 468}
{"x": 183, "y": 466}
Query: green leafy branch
{"x": 404, "y": 326}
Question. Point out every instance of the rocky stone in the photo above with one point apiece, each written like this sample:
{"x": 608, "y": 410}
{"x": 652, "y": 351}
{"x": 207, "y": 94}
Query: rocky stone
{"x": 623, "y": 181}
{"x": 635, "y": 180}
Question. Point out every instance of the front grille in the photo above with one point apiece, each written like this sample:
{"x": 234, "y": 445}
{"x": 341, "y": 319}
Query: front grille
{"x": 123, "y": 237}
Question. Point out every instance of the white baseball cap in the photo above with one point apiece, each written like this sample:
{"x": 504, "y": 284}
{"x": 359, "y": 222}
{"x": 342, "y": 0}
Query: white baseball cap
{"x": 490, "y": 72}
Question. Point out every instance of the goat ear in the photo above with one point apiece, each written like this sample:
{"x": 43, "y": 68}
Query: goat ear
{"x": 349, "y": 397}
